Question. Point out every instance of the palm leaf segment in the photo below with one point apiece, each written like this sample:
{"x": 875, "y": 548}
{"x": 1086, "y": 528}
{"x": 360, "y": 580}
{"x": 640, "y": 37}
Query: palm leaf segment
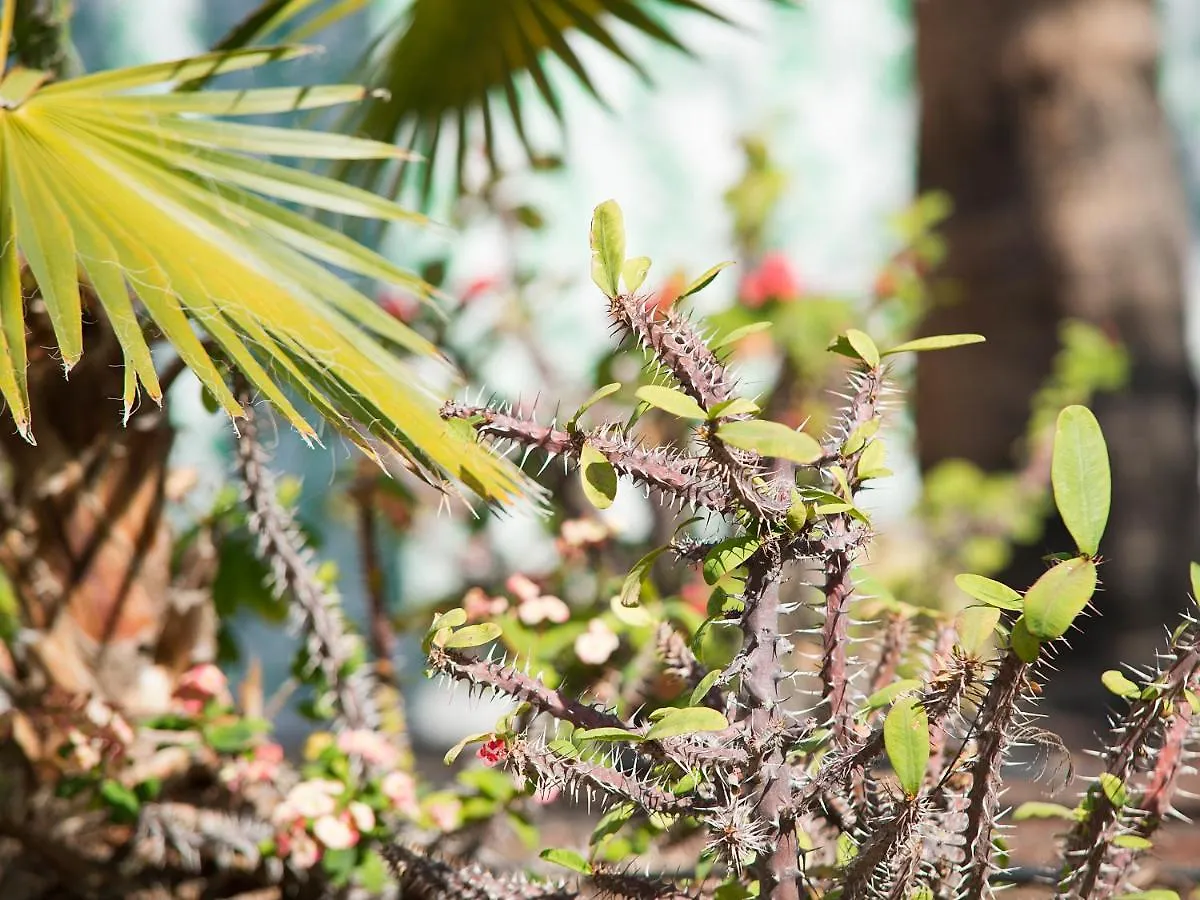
{"x": 140, "y": 197}
{"x": 448, "y": 63}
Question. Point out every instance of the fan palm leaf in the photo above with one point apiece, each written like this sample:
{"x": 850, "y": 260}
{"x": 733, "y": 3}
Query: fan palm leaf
{"x": 166, "y": 214}
{"x": 453, "y": 67}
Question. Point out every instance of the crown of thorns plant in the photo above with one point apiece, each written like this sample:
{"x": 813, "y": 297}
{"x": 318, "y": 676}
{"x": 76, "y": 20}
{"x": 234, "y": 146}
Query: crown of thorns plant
{"x": 873, "y": 785}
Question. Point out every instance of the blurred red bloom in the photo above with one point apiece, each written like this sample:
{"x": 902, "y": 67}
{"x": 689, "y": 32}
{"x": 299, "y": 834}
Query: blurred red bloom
{"x": 772, "y": 280}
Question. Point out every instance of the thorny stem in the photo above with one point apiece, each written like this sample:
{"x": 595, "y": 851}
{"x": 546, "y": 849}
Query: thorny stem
{"x": 996, "y": 716}
{"x": 281, "y": 544}
{"x": 1094, "y": 835}
{"x": 778, "y": 874}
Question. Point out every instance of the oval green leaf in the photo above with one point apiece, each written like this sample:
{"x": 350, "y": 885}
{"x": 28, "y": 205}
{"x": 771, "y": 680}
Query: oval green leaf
{"x": 701, "y": 690}
{"x": 738, "y": 333}
{"x": 452, "y": 753}
{"x": 670, "y": 400}
{"x": 771, "y": 439}
{"x": 473, "y": 636}
{"x": 568, "y": 859}
{"x": 598, "y": 477}
{"x": 1056, "y": 598}
{"x": 727, "y": 556}
{"x": 597, "y": 395}
{"x": 608, "y": 247}
{"x": 864, "y": 347}
{"x": 1080, "y": 474}
{"x": 976, "y": 625}
{"x": 906, "y": 738}
{"x": 937, "y": 342}
{"x": 704, "y": 280}
{"x": 1113, "y": 788}
{"x": 631, "y": 588}
{"x": 1117, "y": 683}
{"x": 634, "y": 272}
{"x": 1037, "y": 809}
{"x": 1024, "y": 644}
{"x": 604, "y": 734}
{"x": 736, "y": 406}
{"x": 691, "y": 720}
{"x": 993, "y": 593}
{"x": 883, "y": 697}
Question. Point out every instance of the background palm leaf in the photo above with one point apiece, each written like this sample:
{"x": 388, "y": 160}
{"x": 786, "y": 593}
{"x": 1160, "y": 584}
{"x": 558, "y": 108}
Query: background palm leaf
{"x": 453, "y": 68}
{"x": 140, "y": 197}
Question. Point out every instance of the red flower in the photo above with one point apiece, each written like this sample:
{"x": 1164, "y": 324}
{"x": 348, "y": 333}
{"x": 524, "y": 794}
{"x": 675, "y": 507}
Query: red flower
{"x": 772, "y": 280}
{"x": 493, "y": 752}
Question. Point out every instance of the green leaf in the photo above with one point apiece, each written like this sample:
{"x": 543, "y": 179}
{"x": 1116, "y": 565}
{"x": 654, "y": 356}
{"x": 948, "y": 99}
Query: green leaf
{"x": 473, "y": 636}
{"x": 631, "y": 587}
{"x": 870, "y": 463}
{"x": 735, "y": 406}
{"x": 1056, "y": 598}
{"x": 1117, "y": 683}
{"x": 976, "y": 625}
{"x": 1194, "y": 575}
{"x": 884, "y": 696}
{"x": 993, "y": 593}
{"x": 1114, "y": 789}
{"x": 233, "y": 737}
{"x": 611, "y": 822}
{"x": 937, "y": 342}
{"x": 122, "y": 801}
{"x": 700, "y": 691}
{"x": 597, "y": 395}
{"x": 738, "y": 333}
{"x": 634, "y": 272}
{"x": 605, "y": 734}
{"x": 451, "y": 618}
{"x": 728, "y": 555}
{"x": 1132, "y": 842}
{"x": 691, "y": 720}
{"x": 704, "y": 280}
{"x": 608, "y": 247}
{"x": 856, "y": 345}
{"x": 864, "y": 347}
{"x": 1024, "y": 644}
{"x": 771, "y": 439}
{"x": 670, "y": 400}
{"x": 478, "y": 738}
{"x": 1159, "y": 894}
{"x": 858, "y": 439}
{"x": 598, "y": 477}
{"x": 906, "y": 738}
{"x": 1080, "y": 474}
{"x": 1037, "y": 809}
{"x": 568, "y": 859}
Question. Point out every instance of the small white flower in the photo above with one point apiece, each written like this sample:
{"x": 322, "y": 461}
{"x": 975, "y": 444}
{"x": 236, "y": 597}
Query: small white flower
{"x": 336, "y": 832}
{"x": 597, "y": 644}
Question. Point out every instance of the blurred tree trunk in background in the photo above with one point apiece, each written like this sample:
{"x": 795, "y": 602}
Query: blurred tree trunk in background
{"x": 1041, "y": 119}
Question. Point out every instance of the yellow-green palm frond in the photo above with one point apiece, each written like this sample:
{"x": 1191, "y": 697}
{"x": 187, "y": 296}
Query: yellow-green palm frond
{"x": 454, "y": 68}
{"x": 166, "y": 214}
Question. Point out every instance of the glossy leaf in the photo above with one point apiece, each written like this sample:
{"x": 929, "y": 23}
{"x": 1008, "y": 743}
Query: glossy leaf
{"x": 669, "y": 400}
{"x": 975, "y": 626}
{"x": 604, "y": 734}
{"x": 771, "y": 439}
{"x": 738, "y": 333}
{"x": 704, "y": 280}
{"x": 1024, "y": 644}
{"x": 473, "y": 636}
{"x": 700, "y": 691}
{"x": 634, "y": 273}
{"x": 608, "y": 247}
{"x": 937, "y": 342}
{"x": 1055, "y": 599}
{"x": 993, "y": 593}
{"x": 1036, "y": 809}
{"x": 1114, "y": 789}
{"x": 568, "y": 859}
{"x": 884, "y": 696}
{"x": 1117, "y": 683}
{"x": 1081, "y": 477}
{"x": 477, "y": 738}
{"x": 598, "y": 477}
{"x": 631, "y": 587}
{"x": 728, "y": 555}
{"x": 597, "y": 395}
{"x": 690, "y": 720}
{"x": 906, "y": 738}
{"x": 734, "y": 406}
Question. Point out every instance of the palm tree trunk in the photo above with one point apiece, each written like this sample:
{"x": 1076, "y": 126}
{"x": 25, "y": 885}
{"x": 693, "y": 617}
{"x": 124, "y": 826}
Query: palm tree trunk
{"x": 1041, "y": 119}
